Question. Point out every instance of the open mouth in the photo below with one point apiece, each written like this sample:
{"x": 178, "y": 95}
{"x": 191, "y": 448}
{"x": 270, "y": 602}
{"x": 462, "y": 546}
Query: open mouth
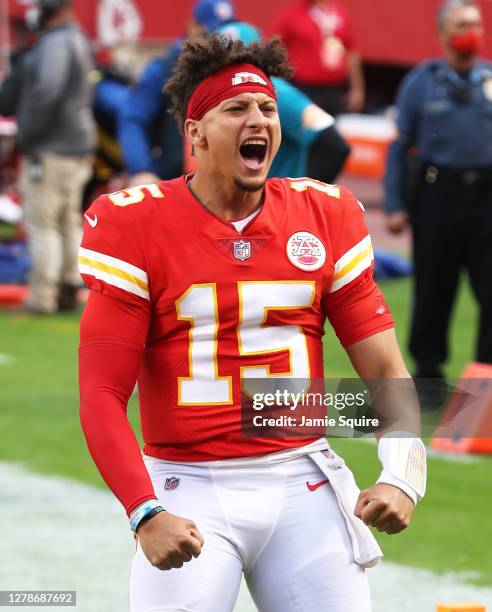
{"x": 253, "y": 152}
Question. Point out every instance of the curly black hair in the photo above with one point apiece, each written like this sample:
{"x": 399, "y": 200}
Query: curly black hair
{"x": 206, "y": 54}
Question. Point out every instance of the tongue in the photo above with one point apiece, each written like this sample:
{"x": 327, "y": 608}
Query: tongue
{"x": 252, "y": 155}
{"x": 251, "y": 162}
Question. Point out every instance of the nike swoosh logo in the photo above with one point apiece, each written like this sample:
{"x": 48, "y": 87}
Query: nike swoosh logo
{"x": 92, "y": 222}
{"x": 316, "y": 485}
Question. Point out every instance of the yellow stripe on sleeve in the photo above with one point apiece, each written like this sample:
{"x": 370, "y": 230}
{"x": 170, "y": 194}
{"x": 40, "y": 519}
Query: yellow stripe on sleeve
{"x": 114, "y": 271}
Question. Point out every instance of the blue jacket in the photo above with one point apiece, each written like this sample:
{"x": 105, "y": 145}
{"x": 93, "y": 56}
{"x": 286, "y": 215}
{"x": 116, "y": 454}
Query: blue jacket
{"x": 446, "y": 116}
{"x": 149, "y": 136}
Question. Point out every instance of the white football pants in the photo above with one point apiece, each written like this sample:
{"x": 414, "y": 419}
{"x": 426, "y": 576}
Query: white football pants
{"x": 261, "y": 519}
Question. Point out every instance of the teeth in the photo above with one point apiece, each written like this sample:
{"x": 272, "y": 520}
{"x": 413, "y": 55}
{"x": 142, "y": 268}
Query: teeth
{"x": 254, "y": 141}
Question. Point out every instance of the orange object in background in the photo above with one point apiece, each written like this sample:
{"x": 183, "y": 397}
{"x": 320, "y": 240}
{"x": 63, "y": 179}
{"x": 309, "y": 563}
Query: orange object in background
{"x": 12, "y": 295}
{"x": 467, "y": 427}
{"x": 460, "y": 607}
{"x": 369, "y": 137}
{"x": 367, "y": 157}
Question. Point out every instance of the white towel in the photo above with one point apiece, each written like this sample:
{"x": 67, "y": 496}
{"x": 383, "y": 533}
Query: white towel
{"x": 367, "y": 552}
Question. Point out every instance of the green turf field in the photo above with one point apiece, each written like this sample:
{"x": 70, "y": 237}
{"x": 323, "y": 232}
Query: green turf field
{"x": 39, "y": 428}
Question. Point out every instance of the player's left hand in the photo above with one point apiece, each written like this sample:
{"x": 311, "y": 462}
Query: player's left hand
{"x": 385, "y": 507}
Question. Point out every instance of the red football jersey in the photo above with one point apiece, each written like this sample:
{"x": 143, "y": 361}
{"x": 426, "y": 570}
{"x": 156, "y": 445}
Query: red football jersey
{"x": 227, "y": 306}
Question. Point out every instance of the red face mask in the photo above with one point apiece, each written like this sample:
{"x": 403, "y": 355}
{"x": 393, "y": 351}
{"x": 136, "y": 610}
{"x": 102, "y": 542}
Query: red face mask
{"x": 468, "y": 43}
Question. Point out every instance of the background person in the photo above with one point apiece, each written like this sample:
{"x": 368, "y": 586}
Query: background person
{"x": 445, "y": 111}
{"x": 150, "y": 141}
{"x": 319, "y": 37}
{"x": 23, "y": 37}
{"x": 112, "y": 82}
{"x": 56, "y": 136}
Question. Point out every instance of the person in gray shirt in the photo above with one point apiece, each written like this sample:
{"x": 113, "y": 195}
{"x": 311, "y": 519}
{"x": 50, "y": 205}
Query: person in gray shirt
{"x": 56, "y": 134}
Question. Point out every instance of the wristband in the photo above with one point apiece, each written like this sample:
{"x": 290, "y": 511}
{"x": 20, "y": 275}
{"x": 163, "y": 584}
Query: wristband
{"x": 404, "y": 463}
{"x": 148, "y": 516}
{"x": 144, "y": 511}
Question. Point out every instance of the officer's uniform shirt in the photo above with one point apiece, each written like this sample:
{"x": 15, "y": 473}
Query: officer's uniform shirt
{"x": 446, "y": 116}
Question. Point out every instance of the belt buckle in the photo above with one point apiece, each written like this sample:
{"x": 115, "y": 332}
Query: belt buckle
{"x": 431, "y": 175}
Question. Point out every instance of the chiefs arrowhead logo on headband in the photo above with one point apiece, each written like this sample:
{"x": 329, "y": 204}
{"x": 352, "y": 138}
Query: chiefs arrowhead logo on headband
{"x": 247, "y": 77}
{"x": 227, "y": 83}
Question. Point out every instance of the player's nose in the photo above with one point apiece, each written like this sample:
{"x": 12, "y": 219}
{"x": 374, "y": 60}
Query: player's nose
{"x": 255, "y": 116}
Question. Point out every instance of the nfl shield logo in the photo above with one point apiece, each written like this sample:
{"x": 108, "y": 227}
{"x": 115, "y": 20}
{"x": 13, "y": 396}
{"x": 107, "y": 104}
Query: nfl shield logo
{"x": 242, "y": 250}
{"x": 171, "y": 483}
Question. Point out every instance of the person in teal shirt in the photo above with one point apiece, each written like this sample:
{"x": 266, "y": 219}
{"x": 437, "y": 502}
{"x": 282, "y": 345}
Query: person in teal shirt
{"x": 311, "y": 144}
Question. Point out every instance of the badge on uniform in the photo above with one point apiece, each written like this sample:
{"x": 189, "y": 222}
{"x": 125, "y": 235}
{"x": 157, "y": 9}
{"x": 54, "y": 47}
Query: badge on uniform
{"x": 241, "y": 249}
{"x": 487, "y": 88}
{"x": 306, "y": 251}
{"x": 171, "y": 483}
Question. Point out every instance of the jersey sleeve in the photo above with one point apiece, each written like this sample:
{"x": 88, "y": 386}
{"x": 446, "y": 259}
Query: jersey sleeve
{"x": 112, "y": 338}
{"x": 354, "y": 303}
{"x": 111, "y": 256}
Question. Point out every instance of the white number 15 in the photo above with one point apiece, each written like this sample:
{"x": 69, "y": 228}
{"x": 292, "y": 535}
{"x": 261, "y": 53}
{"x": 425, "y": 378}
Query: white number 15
{"x": 198, "y": 305}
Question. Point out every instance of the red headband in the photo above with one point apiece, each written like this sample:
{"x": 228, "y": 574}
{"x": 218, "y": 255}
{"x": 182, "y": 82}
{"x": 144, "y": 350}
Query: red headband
{"x": 227, "y": 83}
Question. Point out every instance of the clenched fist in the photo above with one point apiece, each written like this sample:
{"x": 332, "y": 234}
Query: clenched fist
{"x": 385, "y": 507}
{"x": 169, "y": 541}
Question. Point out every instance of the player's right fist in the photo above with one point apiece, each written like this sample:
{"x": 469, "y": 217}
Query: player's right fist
{"x": 169, "y": 541}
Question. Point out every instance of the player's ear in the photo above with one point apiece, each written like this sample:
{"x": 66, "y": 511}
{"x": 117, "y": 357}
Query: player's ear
{"x": 194, "y": 133}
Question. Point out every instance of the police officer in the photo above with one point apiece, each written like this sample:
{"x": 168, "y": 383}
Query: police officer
{"x": 445, "y": 116}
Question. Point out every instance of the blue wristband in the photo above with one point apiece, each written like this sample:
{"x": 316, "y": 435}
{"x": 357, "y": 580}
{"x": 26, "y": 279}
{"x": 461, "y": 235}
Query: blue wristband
{"x": 142, "y": 511}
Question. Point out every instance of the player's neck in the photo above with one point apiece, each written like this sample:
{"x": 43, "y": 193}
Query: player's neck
{"x": 225, "y": 200}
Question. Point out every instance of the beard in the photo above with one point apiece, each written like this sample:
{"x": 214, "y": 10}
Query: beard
{"x": 247, "y": 186}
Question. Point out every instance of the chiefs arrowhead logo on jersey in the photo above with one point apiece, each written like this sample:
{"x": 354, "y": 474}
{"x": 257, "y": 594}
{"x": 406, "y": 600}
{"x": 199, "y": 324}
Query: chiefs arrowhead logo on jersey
{"x": 242, "y": 249}
{"x": 306, "y": 251}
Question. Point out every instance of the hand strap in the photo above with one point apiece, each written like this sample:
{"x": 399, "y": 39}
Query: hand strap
{"x": 404, "y": 463}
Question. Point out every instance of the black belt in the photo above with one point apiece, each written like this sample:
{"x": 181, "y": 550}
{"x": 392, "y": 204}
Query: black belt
{"x": 467, "y": 177}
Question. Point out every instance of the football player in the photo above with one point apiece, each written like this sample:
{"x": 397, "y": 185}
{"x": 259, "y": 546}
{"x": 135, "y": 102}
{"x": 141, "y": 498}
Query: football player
{"x": 198, "y": 285}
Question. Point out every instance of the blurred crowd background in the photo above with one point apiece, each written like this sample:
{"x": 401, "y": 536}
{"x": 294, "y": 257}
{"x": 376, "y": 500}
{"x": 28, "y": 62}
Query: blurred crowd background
{"x": 83, "y": 112}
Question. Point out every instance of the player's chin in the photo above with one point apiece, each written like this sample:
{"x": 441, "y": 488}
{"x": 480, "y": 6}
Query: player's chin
{"x": 250, "y": 183}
